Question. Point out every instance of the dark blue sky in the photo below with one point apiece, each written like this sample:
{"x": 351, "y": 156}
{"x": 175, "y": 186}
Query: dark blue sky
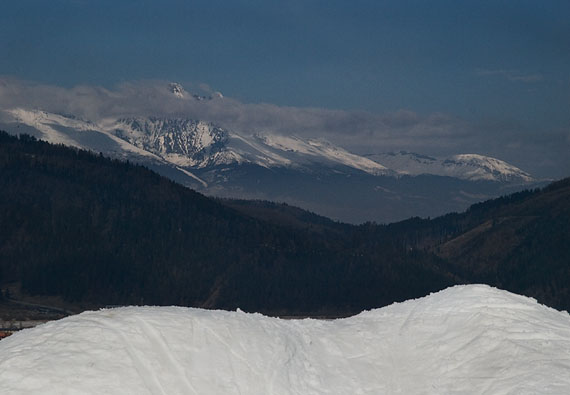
{"x": 489, "y": 62}
{"x": 373, "y": 55}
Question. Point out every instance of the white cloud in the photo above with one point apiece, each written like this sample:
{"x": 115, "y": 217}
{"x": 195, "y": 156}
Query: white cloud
{"x": 154, "y": 98}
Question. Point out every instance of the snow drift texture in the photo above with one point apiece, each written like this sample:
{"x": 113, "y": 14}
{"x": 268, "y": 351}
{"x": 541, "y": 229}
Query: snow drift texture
{"x": 464, "y": 340}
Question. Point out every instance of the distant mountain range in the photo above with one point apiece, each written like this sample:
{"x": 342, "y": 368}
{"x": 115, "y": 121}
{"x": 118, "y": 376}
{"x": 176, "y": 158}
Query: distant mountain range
{"x": 311, "y": 173}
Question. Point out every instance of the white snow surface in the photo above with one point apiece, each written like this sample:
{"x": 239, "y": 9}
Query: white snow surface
{"x": 463, "y": 340}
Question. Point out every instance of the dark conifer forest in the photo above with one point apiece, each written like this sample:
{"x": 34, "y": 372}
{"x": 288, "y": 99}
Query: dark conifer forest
{"x": 105, "y": 232}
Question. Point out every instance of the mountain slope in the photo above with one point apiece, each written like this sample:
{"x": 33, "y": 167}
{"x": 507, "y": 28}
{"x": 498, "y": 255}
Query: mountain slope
{"x": 467, "y": 339}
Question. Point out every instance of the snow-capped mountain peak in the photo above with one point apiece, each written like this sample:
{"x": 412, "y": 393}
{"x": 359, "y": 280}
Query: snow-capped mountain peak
{"x": 472, "y": 167}
{"x": 484, "y": 167}
{"x": 178, "y": 91}
{"x": 199, "y": 144}
{"x": 182, "y": 142}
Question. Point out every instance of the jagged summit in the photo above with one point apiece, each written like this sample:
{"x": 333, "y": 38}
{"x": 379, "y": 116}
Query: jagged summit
{"x": 182, "y": 142}
{"x": 176, "y": 89}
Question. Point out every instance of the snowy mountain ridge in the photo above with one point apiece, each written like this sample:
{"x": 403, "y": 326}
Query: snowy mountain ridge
{"x": 470, "y": 339}
{"x": 195, "y": 144}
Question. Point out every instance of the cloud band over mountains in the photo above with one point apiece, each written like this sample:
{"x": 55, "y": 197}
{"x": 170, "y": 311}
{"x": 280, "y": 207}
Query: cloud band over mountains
{"x": 359, "y": 131}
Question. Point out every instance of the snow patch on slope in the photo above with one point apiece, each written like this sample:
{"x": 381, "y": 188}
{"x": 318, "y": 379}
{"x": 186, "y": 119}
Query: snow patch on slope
{"x": 44, "y": 122}
{"x": 466, "y": 339}
{"x": 317, "y": 150}
{"x": 58, "y": 129}
{"x": 195, "y": 177}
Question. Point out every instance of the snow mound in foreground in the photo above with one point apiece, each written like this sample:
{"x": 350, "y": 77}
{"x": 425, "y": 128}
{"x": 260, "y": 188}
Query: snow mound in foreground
{"x": 465, "y": 340}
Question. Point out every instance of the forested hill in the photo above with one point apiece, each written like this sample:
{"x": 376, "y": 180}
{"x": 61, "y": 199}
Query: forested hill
{"x": 519, "y": 242}
{"x": 105, "y": 232}
{"x": 522, "y": 243}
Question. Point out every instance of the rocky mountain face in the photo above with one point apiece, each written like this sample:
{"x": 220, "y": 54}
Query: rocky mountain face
{"x": 182, "y": 142}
